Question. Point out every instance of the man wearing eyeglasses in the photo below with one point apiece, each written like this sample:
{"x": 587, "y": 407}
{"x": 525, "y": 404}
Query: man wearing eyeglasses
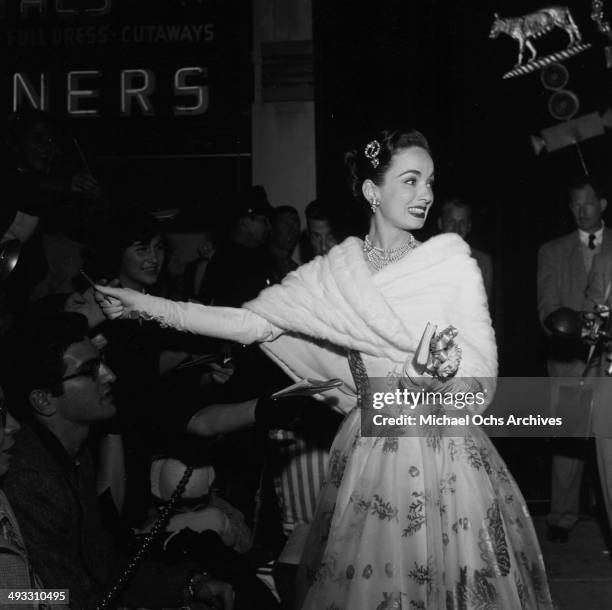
{"x": 65, "y": 388}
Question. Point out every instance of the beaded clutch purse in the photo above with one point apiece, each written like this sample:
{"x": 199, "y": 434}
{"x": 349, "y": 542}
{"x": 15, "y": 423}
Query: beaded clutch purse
{"x": 438, "y": 355}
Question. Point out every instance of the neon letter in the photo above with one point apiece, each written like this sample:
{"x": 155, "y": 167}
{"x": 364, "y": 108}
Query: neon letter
{"x": 199, "y": 91}
{"x": 74, "y": 94}
{"x": 23, "y": 88}
{"x": 131, "y": 92}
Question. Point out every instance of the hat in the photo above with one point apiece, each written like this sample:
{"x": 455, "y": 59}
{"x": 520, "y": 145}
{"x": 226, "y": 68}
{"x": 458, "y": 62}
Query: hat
{"x": 254, "y": 201}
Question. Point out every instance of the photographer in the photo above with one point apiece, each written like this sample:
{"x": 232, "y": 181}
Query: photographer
{"x": 563, "y": 267}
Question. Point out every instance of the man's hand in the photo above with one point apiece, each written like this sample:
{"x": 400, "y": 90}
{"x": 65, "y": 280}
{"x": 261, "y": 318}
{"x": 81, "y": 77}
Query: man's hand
{"x": 85, "y": 303}
{"x": 85, "y": 183}
{"x": 221, "y": 373}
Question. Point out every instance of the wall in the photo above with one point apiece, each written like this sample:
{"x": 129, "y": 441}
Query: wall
{"x": 283, "y": 140}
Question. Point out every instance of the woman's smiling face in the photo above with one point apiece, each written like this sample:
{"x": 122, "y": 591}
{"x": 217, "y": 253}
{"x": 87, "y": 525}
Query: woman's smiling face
{"x": 406, "y": 193}
{"x": 142, "y": 263}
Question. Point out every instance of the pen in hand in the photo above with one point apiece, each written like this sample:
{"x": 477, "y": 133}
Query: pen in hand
{"x": 93, "y": 285}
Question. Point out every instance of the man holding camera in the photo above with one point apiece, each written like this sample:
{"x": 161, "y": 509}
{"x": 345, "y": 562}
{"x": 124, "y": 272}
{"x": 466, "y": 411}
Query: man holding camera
{"x": 563, "y": 271}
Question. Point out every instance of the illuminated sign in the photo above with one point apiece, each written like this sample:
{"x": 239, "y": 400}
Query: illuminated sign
{"x": 136, "y": 87}
{"x": 178, "y": 33}
{"x": 158, "y": 76}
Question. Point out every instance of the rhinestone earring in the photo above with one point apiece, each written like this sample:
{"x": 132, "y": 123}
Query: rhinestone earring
{"x": 374, "y": 203}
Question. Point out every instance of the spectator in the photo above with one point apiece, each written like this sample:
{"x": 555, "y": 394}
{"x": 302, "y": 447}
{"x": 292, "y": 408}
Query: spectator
{"x": 132, "y": 248}
{"x": 241, "y": 266}
{"x": 563, "y": 267}
{"x": 321, "y": 234}
{"x": 64, "y": 389}
{"x": 32, "y": 148}
{"x": 16, "y": 572}
{"x": 285, "y": 234}
{"x": 456, "y": 217}
{"x": 38, "y": 191}
{"x": 195, "y": 270}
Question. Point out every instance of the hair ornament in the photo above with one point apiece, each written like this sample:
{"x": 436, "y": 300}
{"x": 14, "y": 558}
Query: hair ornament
{"x": 372, "y": 151}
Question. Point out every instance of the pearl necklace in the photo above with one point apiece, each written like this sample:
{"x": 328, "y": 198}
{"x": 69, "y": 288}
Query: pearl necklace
{"x": 380, "y": 258}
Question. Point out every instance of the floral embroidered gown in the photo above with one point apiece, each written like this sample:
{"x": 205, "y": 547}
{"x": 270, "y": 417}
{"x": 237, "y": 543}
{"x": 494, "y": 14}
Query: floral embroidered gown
{"x": 432, "y": 522}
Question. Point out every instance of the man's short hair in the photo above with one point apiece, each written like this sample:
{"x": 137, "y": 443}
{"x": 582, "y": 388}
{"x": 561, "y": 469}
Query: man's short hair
{"x": 579, "y": 182}
{"x": 318, "y": 210}
{"x": 455, "y": 202}
{"x": 280, "y": 210}
{"x": 39, "y": 359}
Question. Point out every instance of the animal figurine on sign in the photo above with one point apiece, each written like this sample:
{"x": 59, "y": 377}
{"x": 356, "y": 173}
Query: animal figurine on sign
{"x": 528, "y": 27}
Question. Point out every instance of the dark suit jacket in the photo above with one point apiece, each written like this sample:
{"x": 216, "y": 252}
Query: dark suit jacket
{"x": 562, "y": 282}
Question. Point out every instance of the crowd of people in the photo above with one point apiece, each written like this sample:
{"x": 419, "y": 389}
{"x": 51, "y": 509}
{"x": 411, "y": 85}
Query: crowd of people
{"x": 113, "y": 415}
{"x": 147, "y": 458}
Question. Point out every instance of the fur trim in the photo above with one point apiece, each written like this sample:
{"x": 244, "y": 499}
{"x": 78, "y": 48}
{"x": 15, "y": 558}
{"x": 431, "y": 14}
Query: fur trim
{"x": 338, "y": 300}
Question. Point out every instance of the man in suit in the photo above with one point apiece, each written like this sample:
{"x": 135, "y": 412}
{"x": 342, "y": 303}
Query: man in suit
{"x": 563, "y": 268}
{"x": 456, "y": 217}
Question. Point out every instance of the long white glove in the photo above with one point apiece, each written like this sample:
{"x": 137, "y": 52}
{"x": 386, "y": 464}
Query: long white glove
{"x": 229, "y": 323}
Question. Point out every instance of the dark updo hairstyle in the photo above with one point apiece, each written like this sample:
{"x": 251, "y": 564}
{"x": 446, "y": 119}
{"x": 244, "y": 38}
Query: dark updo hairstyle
{"x": 381, "y": 149}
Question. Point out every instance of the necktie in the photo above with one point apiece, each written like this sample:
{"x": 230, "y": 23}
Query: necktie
{"x": 592, "y": 241}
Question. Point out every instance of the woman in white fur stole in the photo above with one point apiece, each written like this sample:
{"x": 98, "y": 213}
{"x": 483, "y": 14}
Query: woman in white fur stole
{"x": 426, "y": 518}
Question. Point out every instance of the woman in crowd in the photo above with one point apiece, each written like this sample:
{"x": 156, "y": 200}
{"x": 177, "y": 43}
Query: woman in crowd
{"x": 420, "y": 521}
{"x": 132, "y": 249}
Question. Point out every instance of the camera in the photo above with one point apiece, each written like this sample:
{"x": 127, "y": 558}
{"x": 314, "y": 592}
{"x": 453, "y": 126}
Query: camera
{"x": 592, "y": 327}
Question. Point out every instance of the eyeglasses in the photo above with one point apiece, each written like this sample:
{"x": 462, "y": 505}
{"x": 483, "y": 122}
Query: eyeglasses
{"x": 90, "y": 369}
